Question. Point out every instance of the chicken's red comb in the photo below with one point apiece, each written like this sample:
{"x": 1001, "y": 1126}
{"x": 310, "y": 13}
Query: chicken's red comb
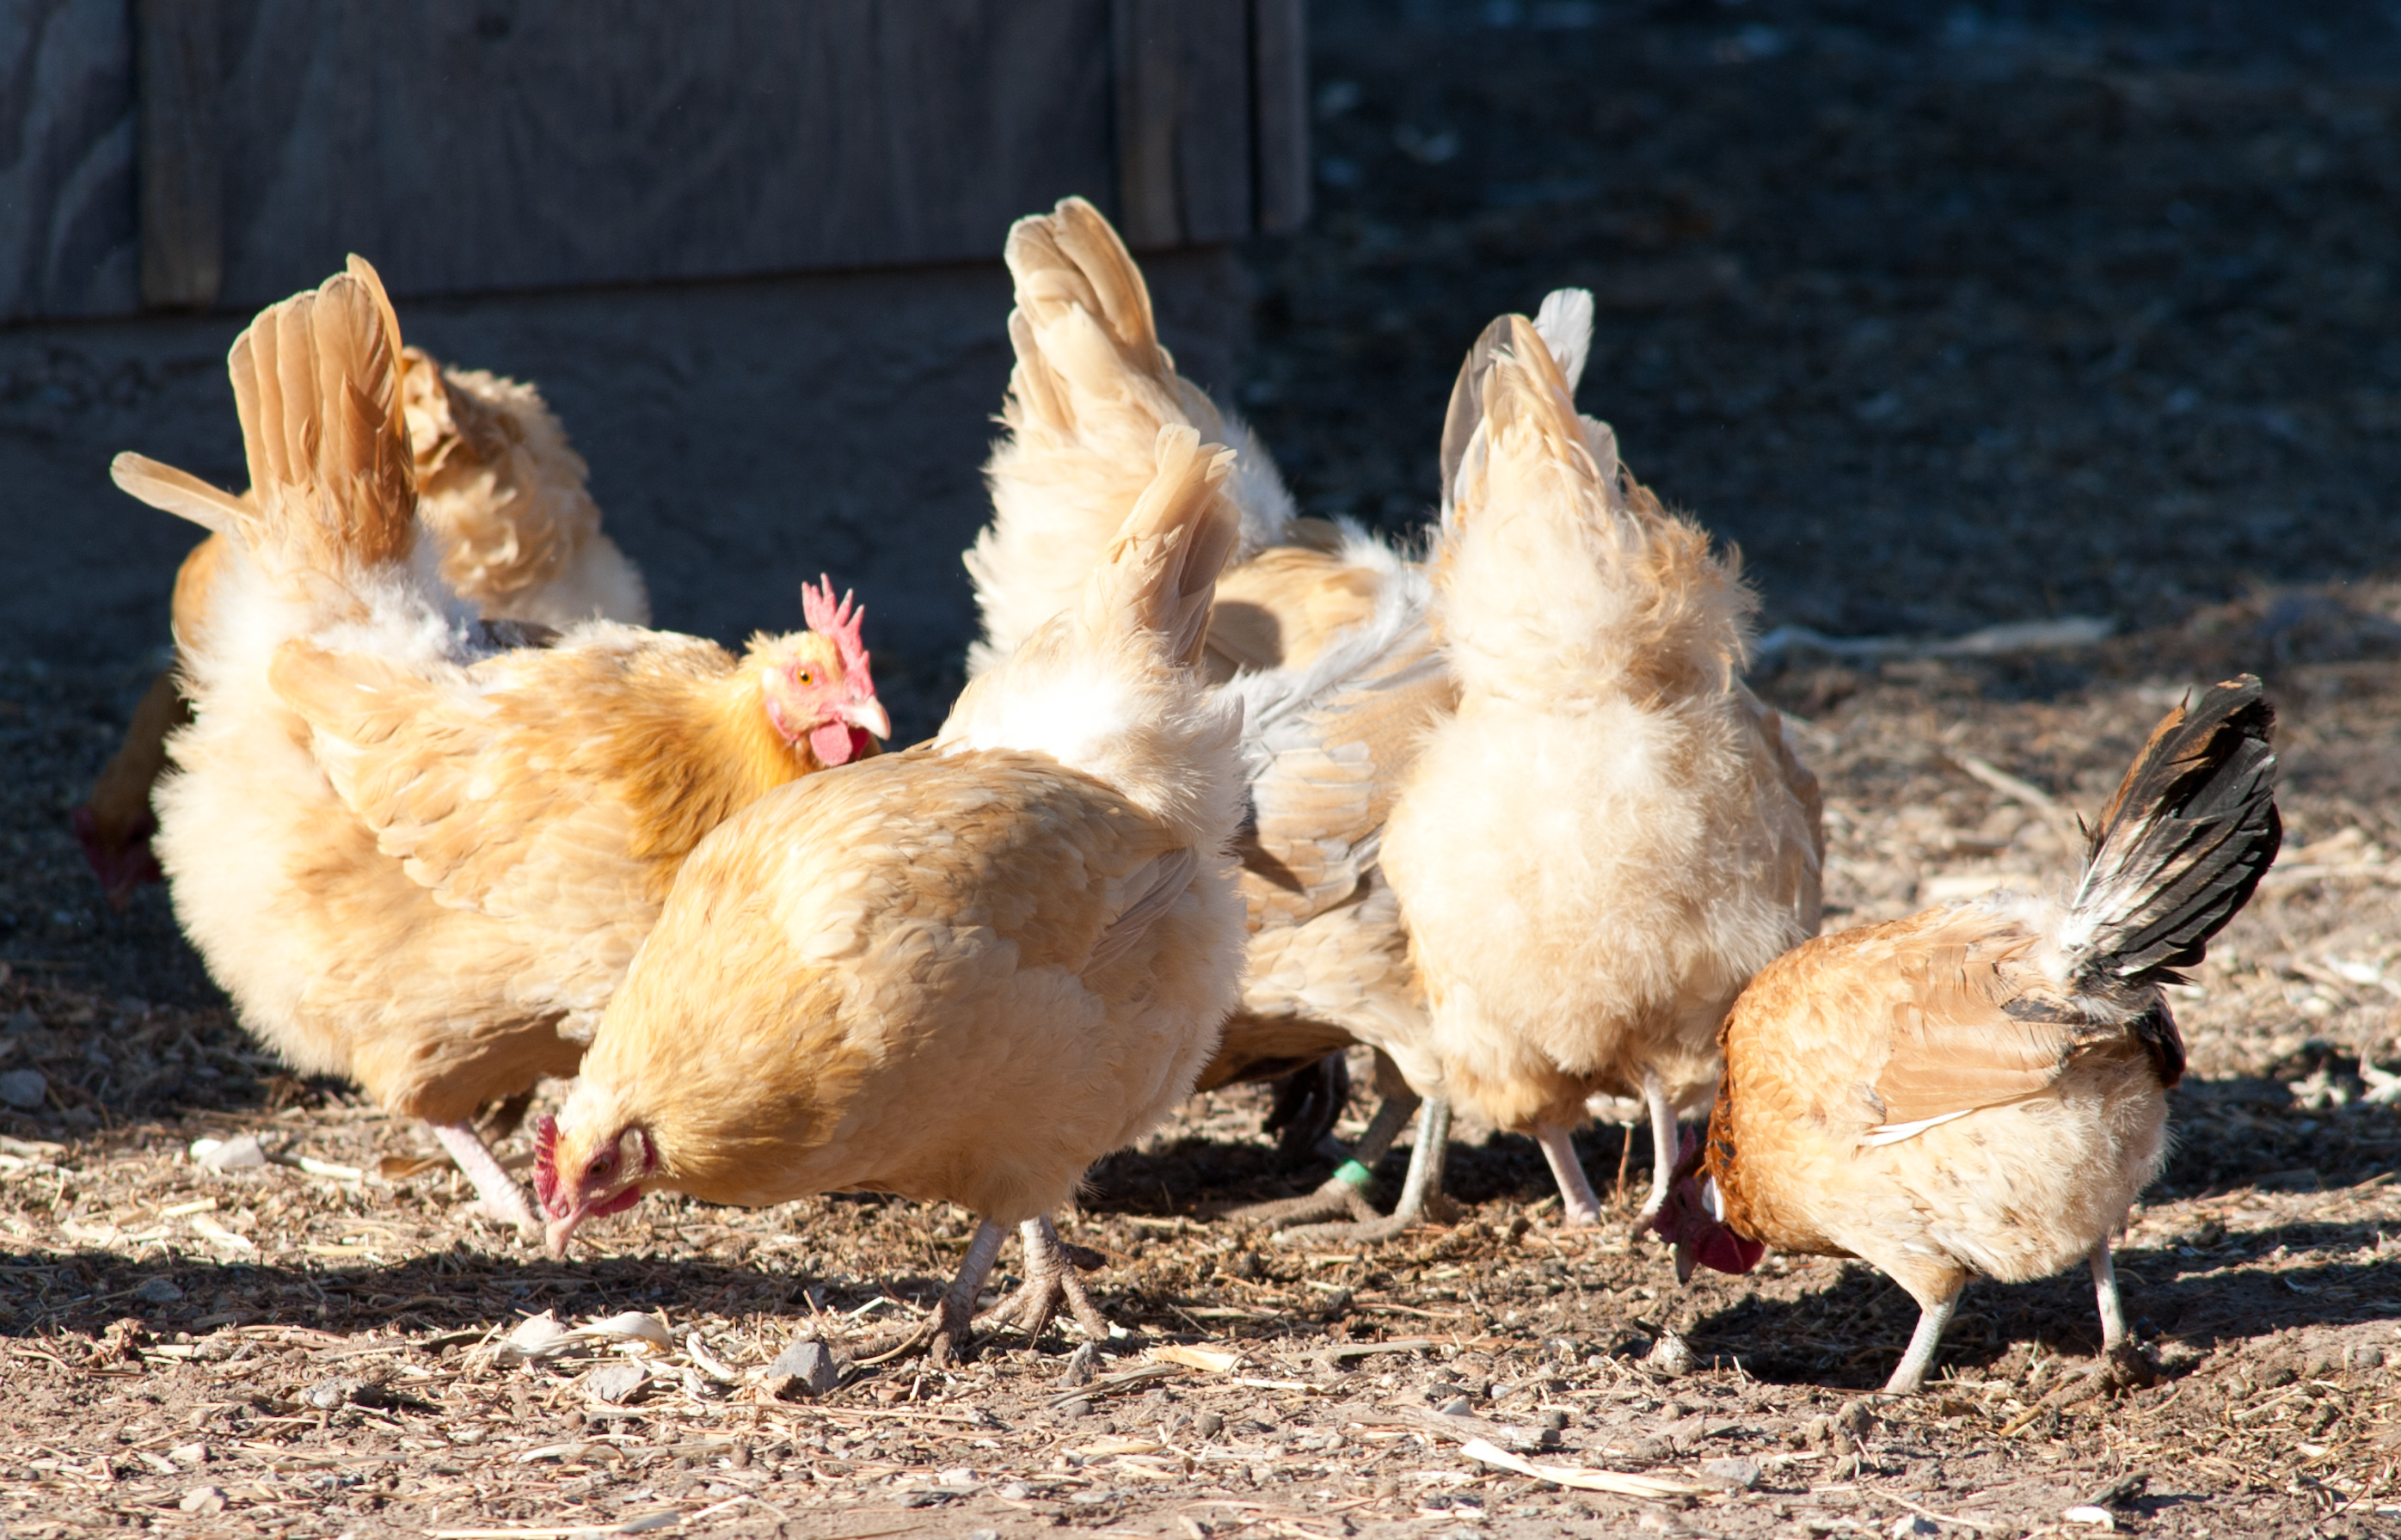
{"x": 841, "y": 622}
{"x": 545, "y": 1163}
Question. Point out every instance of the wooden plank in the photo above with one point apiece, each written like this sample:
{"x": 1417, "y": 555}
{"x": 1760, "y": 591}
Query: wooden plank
{"x": 177, "y": 77}
{"x": 1183, "y": 120}
{"x": 473, "y": 145}
{"x": 66, "y": 159}
{"x": 1279, "y": 114}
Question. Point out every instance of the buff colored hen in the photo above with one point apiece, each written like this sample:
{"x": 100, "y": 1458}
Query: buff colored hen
{"x": 414, "y": 859}
{"x": 1982, "y": 1088}
{"x": 962, "y": 972}
{"x": 501, "y": 494}
{"x": 1608, "y": 837}
{"x": 1318, "y": 630}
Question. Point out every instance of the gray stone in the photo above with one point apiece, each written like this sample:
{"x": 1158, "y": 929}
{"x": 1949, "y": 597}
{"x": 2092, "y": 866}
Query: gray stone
{"x": 244, "y": 1153}
{"x": 807, "y": 1368}
{"x": 23, "y": 1021}
{"x": 1670, "y": 1355}
{"x": 1079, "y": 1365}
{"x": 1208, "y": 1425}
{"x": 24, "y": 1089}
{"x": 331, "y": 1394}
{"x": 616, "y": 1383}
{"x": 1731, "y": 1474}
{"x": 158, "y": 1291}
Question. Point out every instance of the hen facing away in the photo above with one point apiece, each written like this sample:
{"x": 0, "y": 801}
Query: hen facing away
{"x": 1982, "y": 1088}
{"x": 413, "y": 859}
{"x": 964, "y": 972}
{"x": 1318, "y": 629}
{"x": 1609, "y": 835}
{"x": 500, "y": 493}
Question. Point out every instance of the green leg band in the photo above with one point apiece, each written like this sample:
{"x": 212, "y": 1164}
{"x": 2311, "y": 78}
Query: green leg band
{"x": 1353, "y": 1173}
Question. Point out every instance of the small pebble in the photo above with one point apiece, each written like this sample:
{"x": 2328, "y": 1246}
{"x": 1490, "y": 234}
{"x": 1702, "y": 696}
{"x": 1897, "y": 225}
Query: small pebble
{"x": 616, "y": 1383}
{"x": 1079, "y": 1406}
{"x": 188, "y": 1455}
{"x": 158, "y": 1291}
{"x": 1670, "y": 1355}
{"x": 1912, "y": 1524}
{"x": 204, "y": 1500}
{"x": 1208, "y": 1425}
{"x": 806, "y": 1367}
{"x": 24, "y": 1089}
{"x": 1079, "y": 1366}
{"x": 1732, "y": 1474}
{"x": 242, "y": 1154}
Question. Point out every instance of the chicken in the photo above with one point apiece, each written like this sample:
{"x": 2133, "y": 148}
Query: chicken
{"x": 1982, "y": 1088}
{"x": 500, "y": 492}
{"x": 961, "y": 972}
{"x": 412, "y": 858}
{"x": 1596, "y": 851}
{"x": 1318, "y": 628}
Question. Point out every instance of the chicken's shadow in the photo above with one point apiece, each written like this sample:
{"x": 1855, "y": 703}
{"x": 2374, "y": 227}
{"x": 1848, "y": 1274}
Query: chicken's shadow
{"x": 1852, "y": 1332}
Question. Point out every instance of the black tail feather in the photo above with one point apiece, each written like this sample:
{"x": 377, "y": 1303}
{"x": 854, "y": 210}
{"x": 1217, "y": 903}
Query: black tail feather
{"x": 2188, "y": 837}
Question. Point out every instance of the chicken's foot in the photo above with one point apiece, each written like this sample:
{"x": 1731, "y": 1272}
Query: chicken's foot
{"x": 1051, "y": 1281}
{"x": 1664, "y": 1143}
{"x": 1420, "y": 1191}
{"x": 1346, "y": 1190}
{"x": 1932, "y": 1316}
{"x": 501, "y": 1197}
{"x": 1307, "y": 1103}
{"x": 1581, "y": 1205}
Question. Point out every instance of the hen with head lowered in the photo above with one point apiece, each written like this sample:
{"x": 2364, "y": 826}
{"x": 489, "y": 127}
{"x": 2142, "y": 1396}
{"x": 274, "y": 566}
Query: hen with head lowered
{"x": 1982, "y": 1088}
{"x": 964, "y": 972}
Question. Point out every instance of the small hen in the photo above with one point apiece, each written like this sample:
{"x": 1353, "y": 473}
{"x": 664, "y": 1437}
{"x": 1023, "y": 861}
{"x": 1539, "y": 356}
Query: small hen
{"x": 1982, "y": 1088}
{"x": 412, "y": 858}
{"x": 961, "y": 972}
{"x": 1319, "y": 630}
{"x": 1608, "y": 836}
{"x": 501, "y": 494}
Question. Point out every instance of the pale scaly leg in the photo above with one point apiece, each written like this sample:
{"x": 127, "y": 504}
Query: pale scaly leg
{"x": 1581, "y": 1205}
{"x": 1420, "y": 1192}
{"x": 1051, "y": 1281}
{"x": 1346, "y": 1190}
{"x": 1931, "y": 1318}
{"x": 502, "y": 1199}
{"x": 944, "y": 1334}
{"x": 2104, "y": 1289}
{"x": 1664, "y": 1143}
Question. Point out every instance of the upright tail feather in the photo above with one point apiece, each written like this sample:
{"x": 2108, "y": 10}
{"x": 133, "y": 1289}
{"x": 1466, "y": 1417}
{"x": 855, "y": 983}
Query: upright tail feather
{"x": 317, "y": 383}
{"x": 2188, "y": 836}
{"x": 1160, "y": 574}
{"x": 1092, "y": 389}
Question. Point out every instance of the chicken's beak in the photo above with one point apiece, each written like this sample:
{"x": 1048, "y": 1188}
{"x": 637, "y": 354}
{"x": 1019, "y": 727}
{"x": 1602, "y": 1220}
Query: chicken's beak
{"x": 1686, "y": 1261}
{"x": 868, "y": 717}
{"x": 555, "y": 1235}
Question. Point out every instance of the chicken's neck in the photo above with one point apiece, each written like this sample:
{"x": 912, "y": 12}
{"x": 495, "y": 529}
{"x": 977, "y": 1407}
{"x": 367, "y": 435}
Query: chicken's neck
{"x": 698, "y": 754}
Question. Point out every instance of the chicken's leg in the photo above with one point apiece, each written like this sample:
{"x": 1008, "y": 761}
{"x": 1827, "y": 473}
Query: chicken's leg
{"x": 1420, "y": 1191}
{"x": 502, "y": 1199}
{"x": 1346, "y": 1190}
{"x": 1932, "y": 1316}
{"x": 1664, "y": 1145}
{"x": 2105, "y": 1288}
{"x": 1581, "y": 1206}
{"x": 1050, "y": 1281}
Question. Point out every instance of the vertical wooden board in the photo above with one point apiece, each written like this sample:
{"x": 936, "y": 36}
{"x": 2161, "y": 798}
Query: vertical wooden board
{"x": 66, "y": 159}
{"x": 467, "y": 145}
{"x": 1279, "y": 114}
{"x": 177, "y": 80}
{"x": 1212, "y": 131}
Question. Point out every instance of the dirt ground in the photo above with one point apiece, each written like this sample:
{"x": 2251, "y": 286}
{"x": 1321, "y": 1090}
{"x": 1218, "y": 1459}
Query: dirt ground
{"x": 1795, "y": 218}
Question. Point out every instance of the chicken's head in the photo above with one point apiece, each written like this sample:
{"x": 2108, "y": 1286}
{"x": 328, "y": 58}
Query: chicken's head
{"x": 1693, "y": 1220}
{"x": 118, "y": 851}
{"x": 587, "y": 1170}
{"x": 816, "y": 686}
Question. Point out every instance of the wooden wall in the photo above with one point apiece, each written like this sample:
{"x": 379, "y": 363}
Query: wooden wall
{"x": 472, "y": 145}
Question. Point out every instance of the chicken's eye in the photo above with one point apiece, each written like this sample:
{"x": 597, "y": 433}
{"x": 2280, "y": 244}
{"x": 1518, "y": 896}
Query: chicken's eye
{"x": 600, "y": 1164}
{"x": 804, "y": 675}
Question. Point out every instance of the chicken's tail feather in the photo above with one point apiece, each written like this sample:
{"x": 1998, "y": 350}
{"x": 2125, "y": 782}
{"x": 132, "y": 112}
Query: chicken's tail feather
{"x": 317, "y": 382}
{"x": 1160, "y": 574}
{"x": 2183, "y": 844}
